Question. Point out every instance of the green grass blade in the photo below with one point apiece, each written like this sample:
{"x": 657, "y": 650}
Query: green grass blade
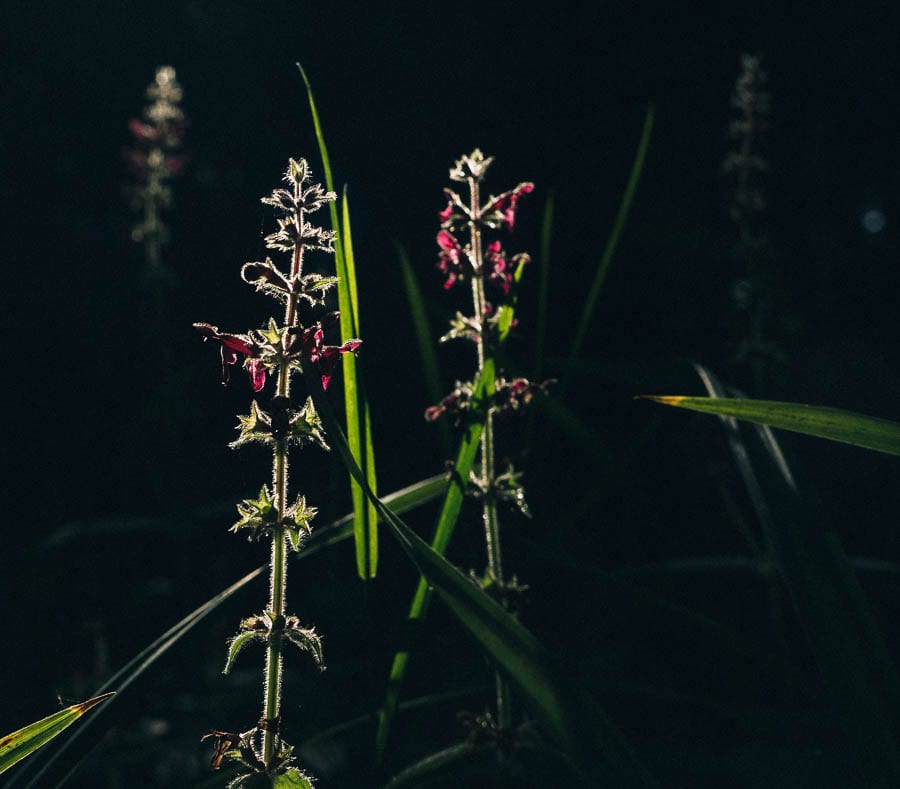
{"x": 848, "y": 427}
{"x": 566, "y": 712}
{"x": 359, "y": 423}
{"x": 422, "y": 331}
{"x": 852, "y": 657}
{"x": 356, "y": 404}
{"x": 446, "y": 524}
{"x": 612, "y": 243}
{"x": 16, "y": 746}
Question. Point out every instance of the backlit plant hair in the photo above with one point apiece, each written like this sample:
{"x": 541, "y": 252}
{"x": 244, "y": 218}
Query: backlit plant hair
{"x": 281, "y": 349}
{"x": 466, "y": 255}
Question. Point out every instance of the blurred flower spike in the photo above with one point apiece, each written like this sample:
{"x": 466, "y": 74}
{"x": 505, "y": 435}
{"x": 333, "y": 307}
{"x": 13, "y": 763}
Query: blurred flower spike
{"x": 153, "y": 159}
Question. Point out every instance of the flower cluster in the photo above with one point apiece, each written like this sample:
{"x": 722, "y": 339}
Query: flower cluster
{"x": 291, "y": 344}
{"x": 458, "y": 261}
{"x": 153, "y": 158}
{"x": 512, "y": 395}
{"x": 469, "y": 252}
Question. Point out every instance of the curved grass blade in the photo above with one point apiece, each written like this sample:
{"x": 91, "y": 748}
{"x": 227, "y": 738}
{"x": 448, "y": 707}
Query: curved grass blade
{"x": 16, "y": 746}
{"x": 402, "y": 500}
{"x": 422, "y": 331}
{"x": 443, "y": 767}
{"x": 842, "y": 630}
{"x": 446, "y": 525}
{"x": 359, "y": 424}
{"x": 422, "y": 702}
{"x": 567, "y": 713}
{"x": 847, "y": 427}
{"x": 614, "y": 236}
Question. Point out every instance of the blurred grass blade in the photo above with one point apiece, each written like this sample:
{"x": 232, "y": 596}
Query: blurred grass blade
{"x": 16, "y": 746}
{"x": 540, "y": 326}
{"x": 359, "y": 423}
{"x": 445, "y": 768}
{"x": 848, "y": 427}
{"x": 566, "y": 712}
{"x": 613, "y": 242}
{"x": 422, "y": 331}
{"x": 446, "y": 524}
{"x": 842, "y": 630}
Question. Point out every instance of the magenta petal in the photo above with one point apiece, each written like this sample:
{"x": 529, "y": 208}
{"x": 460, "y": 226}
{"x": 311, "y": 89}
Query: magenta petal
{"x": 257, "y": 371}
{"x": 447, "y": 242}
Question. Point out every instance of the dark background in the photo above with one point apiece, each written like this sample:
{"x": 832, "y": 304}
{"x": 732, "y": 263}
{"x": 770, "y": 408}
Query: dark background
{"x": 118, "y": 486}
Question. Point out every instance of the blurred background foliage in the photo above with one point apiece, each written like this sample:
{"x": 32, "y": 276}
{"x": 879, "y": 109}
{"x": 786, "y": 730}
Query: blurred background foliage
{"x": 118, "y": 486}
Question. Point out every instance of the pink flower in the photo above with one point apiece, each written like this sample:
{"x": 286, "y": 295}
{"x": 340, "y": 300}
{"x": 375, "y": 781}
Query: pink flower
{"x": 500, "y": 274}
{"x": 506, "y": 203}
{"x": 447, "y": 212}
{"x": 324, "y": 357}
{"x": 231, "y": 346}
{"x": 450, "y": 258}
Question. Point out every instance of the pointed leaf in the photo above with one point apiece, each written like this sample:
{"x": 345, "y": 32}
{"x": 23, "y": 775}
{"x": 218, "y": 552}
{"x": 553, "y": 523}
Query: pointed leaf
{"x": 356, "y": 405}
{"x": 16, "y": 746}
{"x": 848, "y": 427}
{"x": 236, "y": 645}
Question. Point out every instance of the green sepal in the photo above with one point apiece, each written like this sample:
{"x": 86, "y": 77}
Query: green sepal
{"x": 255, "y": 427}
{"x": 296, "y": 522}
{"x": 462, "y": 328}
{"x": 508, "y": 487}
{"x": 305, "y": 426}
{"x": 259, "y": 515}
{"x": 238, "y": 643}
{"x": 272, "y": 334}
{"x": 297, "y": 171}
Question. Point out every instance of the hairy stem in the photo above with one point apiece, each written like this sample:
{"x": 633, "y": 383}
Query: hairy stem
{"x": 489, "y": 512}
{"x": 278, "y": 562}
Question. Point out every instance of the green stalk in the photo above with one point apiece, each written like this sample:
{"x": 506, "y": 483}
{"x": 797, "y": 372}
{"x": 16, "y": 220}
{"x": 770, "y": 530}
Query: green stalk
{"x": 491, "y": 523}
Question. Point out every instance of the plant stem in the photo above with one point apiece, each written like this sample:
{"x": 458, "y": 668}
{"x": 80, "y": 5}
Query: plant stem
{"x": 278, "y": 561}
{"x": 491, "y": 522}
